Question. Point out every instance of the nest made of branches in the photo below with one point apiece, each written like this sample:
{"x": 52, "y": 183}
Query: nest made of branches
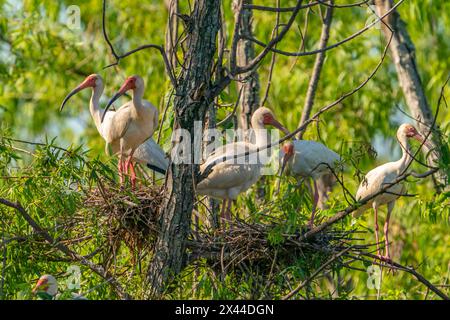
{"x": 130, "y": 216}
{"x": 246, "y": 245}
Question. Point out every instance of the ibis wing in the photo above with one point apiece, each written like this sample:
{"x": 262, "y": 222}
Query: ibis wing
{"x": 375, "y": 180}
{"x": 119, "y": 125}
{"x": 230, "y": 173}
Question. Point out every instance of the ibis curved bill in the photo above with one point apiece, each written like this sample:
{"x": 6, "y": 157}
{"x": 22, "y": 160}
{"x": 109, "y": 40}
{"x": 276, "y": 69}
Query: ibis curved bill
{"x": 229, "y": 178}
{"x": 148, "y": 153}
{"x": 380, "y": 177}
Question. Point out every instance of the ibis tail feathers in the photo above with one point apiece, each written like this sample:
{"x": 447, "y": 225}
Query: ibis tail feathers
{"x": 156, "y": 169}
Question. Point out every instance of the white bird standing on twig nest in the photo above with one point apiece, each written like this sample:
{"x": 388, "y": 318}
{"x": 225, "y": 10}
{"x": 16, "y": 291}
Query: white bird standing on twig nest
{"x": 382, "y": 176}
{"x": 229, "y": 178}
{"x": 131, "y": 125}
{"x": 309, "y": 159}
{"x": 149, "y": 153}
{"x": 47, "y": 289}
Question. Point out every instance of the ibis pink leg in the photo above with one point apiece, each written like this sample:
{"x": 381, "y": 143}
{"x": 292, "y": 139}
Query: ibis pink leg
{"x": 222, "y": 212}
{"x": 121, "y": 169}
{"x": 133, "y": 175}
{"x": 314, "y": 205}
{"x": 129, "y": 165}
{"x": 387, "y": 255}
{"x": 375, "y": 210}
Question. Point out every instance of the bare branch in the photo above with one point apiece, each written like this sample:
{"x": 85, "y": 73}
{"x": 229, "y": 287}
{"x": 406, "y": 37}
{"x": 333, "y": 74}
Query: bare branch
{"x": 318, "y": 64}
{"x": 270, "y": 46}
{"x": 309, "y": 5}
{"x": 208, "y": 169}
{"x": 119, "y": 57}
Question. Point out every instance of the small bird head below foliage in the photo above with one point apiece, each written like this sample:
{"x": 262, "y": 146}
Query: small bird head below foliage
{"x": 46, "y": 288}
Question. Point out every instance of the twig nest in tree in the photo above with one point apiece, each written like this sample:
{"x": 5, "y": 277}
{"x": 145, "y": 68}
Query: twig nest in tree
{"x": 129, "y": 217}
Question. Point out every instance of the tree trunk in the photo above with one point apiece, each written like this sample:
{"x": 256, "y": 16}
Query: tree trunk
{"x": 249, "y": 101}
{"x": 172, "y": 32}
{"x": 403, "y": 53}
{"x": 190, "y": 105}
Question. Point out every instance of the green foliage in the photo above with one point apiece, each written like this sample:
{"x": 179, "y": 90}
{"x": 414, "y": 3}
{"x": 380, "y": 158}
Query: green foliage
{"x": 42, "y": 59}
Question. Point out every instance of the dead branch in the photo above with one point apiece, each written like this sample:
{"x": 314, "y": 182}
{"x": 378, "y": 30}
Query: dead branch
{"x": 119, "y": 57}
{"x": 270, "y": 46}
{"x": 318, "y": 64}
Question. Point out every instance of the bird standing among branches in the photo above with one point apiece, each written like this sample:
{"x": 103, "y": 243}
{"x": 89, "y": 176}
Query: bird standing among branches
{"x": 148, "y": 153}
{"x": 231, "y": 177}
{"x": 309, "y": 159}
{"x": 132, "y": 124}
{"x": 382, "y": 176}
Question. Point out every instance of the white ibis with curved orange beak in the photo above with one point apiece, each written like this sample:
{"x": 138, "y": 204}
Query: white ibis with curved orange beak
{"x": 229, "y": 178}
{"x": 131, "y": 125}
{"x": 381, "y": 176}
{"x": 149, "y": 153}
{"x": 308, "y": 159}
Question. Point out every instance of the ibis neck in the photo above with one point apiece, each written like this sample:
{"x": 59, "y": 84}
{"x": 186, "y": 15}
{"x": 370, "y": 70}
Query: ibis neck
{"x": 260, "y": 134}
{"x": 406, "y": 158}
{"x": 138, "y": 93}
{"x": 94, "y": 107}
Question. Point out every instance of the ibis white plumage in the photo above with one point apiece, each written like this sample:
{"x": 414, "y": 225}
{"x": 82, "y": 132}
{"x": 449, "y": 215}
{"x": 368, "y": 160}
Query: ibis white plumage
{"x": 380, "y": 177}
{"x": 309, "y": 159}
{"x": 229, "y": 178}
{"x": 148, "y": 153}
{"x": 47, "y": 288}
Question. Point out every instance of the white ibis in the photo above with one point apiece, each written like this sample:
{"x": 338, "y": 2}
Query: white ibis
{"x": 229, "y": 178}
{"x": 381, "y": 177}
{"x": 47, "y": 288}
{"x": 132, "y": 124}
{"x": 309, "y": 159}
{"x": 148, "y": 153}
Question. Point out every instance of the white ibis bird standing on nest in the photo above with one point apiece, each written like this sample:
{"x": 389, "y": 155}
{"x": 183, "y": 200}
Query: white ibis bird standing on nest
{"x": 148, "y": 153}
{"x": 131, "y": 125}
{"x": 309, "y": 159}
{"x": 229, "y": 178}
{"x": 47, "y": 289}
{"x": 380, "y": 177}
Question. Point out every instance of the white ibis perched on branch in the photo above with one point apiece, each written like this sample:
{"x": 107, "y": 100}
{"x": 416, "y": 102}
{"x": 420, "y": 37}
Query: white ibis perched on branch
{"x": 229, "y": 178}
{"x": 47, "y": 289}
{"x": 380, "y": 177}
{"x": 309, "y": 159}
{"x": 148, "y": 153}
{"x": 131, "y": 125}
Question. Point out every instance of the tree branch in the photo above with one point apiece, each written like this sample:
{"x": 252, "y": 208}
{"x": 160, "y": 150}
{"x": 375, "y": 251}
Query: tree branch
{"x": 318, "y": 64}
{"x": 118, "y": 57}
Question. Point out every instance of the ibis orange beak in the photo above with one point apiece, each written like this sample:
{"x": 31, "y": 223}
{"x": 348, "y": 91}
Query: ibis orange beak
{"x": 42, "y": 284}
{"x": 85, "y": 84}
{"x": 287, "y": 156}
{"x": 426, "y": 142}
{"x": 124, "y": 88}
{"x": 279, "y": 126}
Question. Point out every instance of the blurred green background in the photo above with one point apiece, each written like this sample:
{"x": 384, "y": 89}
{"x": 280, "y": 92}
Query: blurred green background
{"x": 42, "y": 59}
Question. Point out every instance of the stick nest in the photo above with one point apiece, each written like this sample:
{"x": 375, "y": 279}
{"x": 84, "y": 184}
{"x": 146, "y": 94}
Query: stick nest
{"x": 129, "y": 216}
{"x": 245, "y": 245}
